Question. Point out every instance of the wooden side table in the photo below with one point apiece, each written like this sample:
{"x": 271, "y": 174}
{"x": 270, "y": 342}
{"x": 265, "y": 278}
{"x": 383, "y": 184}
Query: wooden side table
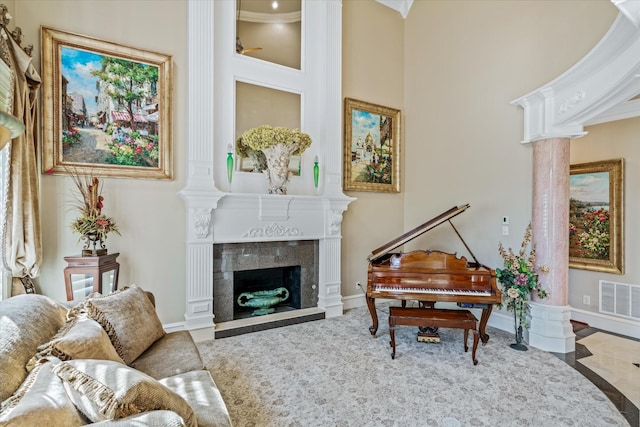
{"x": 85, "y": 274}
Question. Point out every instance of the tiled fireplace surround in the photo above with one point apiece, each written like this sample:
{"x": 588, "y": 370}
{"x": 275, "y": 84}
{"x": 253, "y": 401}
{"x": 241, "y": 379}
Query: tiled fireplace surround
{"x": 229, "y": 259}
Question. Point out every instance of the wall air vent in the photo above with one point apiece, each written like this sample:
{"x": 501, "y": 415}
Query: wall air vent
{"x": 620, "y": 299}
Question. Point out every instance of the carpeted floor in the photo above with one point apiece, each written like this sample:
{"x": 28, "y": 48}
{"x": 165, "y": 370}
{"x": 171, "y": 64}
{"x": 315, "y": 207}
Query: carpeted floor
{"x": 334, "y": 373}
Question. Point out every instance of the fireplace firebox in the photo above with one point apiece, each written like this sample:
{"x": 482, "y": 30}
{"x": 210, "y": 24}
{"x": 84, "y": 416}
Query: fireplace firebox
{"x": 266, "y": 291}
{"x": 264, "y": 269}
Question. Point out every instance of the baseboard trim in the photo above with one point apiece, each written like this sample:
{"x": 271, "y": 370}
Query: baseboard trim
{"x": 173, "y": 327}
{"x": 504, "y": 321}
{"x": 618, "y": 325}
{"x": 498, "y": 319}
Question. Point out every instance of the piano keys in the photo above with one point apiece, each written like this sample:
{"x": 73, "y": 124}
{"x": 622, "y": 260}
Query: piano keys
{"x": 431, "y": 276}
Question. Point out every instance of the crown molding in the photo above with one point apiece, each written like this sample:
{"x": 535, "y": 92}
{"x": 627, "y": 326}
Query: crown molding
{"x": 402, "y": 6}
{"x": 270, "y": 18}
{"x": 631, "y": 9}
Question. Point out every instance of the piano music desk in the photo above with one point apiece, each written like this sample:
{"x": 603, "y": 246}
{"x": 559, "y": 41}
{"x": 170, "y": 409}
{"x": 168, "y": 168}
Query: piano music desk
{"x": 434, "y": 317}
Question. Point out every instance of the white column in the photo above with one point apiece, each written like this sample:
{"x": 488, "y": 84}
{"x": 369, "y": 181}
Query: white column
{"x": 200, "y": 195}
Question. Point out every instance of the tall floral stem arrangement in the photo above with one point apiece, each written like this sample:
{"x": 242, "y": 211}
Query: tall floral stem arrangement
{"x": 92, "y": 225}
{"x": 519, "y": 279}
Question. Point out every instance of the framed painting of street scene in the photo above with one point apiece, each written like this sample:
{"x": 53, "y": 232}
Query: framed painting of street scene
{"x": 596, "y": 228}
{"x": 371, "y": 147}
{"x": 106, "y": 108}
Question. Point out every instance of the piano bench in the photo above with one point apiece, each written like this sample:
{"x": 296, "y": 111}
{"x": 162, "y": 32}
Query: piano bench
{"x": 437, "y": 318}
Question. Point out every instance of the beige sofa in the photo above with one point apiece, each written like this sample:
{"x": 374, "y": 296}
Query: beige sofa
{"x": 105, "y": 362}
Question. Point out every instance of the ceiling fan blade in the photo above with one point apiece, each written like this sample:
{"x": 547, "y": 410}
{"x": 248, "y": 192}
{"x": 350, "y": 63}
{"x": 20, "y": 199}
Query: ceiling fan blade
{"x": 241, "y": 50}
{"x": 252, "y": 49}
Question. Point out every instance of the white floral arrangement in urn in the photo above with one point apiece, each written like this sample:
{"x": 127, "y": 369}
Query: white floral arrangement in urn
{"x": 278, "y": 145}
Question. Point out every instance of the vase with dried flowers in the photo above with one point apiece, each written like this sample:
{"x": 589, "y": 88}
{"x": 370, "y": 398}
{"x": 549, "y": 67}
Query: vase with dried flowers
{"x": 519, "y": 279}
{"x": 277, "y": 145}
{"x": 92, "y": 225}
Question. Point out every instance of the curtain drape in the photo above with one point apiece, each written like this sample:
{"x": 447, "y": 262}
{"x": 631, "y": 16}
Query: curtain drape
{"x": 22, "y": 241}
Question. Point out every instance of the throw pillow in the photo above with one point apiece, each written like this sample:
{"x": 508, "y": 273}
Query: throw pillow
{"x": 26, "y": 321}
{"x": 40, "y": 400}
{"x": 129, "y": 318}
{"x": 80, "y": 338}
{"x": 106, "y": 390}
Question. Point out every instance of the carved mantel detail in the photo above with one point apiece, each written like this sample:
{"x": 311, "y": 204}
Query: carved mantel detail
{"x": 202, "y": 217}
{"x": 273, "y": 230}
{"x": 335, "y": 221}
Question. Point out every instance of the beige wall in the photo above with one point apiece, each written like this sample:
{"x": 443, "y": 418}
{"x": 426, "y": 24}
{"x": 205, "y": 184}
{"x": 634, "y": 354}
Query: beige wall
{"x": 465, "y": 61}
{"x": 451, "y": 67}
{"x": 150, "y": 214}
{"x": 620, "y": 139}
{"x": 372, "y": 66}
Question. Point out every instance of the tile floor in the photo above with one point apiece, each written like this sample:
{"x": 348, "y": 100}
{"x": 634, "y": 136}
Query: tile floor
{"x": 609, "y": 361}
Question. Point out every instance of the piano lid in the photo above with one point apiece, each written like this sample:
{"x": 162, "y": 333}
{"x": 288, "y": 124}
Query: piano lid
{"x": 419, "y": 230}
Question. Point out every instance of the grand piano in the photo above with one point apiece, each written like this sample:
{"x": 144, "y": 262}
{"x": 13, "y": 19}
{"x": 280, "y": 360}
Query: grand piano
{"x": 431, "y": 276}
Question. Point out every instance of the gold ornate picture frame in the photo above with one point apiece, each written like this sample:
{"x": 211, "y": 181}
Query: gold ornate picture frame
{"x": 106, "y": 108}
{"x": 596, "y": 220}
{"x": 371, "y": 147}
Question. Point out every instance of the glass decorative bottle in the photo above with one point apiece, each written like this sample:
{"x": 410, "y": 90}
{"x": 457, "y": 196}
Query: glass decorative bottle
{"x": 316, "y": 172}
{"x": 229, "y": 162}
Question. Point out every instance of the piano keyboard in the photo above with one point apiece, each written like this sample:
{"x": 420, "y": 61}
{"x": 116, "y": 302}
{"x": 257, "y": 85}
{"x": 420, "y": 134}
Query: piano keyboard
{"x": 433, "y": 291}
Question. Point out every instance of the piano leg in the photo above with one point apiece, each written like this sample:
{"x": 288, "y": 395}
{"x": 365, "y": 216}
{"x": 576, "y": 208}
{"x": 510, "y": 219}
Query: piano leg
{"x": 486, "y": 312}
{"x": 475, "y": 344}
{"x": 371, "y": 303}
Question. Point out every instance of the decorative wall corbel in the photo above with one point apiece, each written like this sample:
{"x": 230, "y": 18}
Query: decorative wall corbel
{"x": 202, "y": 222}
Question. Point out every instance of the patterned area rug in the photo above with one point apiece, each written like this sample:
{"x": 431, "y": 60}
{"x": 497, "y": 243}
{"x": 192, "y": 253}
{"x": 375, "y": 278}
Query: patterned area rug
{"x": 334, "y": 373}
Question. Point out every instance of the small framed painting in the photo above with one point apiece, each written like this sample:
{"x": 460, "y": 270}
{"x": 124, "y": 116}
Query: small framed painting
{"x": 106, "y": 108}
{"x": 371, "y": 147}
{"x": 596, "y": 227}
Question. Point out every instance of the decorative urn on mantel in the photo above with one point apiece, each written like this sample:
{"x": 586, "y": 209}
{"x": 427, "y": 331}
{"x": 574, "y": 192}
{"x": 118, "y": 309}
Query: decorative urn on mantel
{"x": 277, "y": 145}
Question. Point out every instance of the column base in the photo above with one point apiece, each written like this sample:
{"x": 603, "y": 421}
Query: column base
{"x": 333, "y": 307}
{"x": 550, "y": 328}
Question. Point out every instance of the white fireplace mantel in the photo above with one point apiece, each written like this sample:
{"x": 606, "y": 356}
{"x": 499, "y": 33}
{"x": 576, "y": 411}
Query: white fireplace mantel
{"x": 215, "y": 213}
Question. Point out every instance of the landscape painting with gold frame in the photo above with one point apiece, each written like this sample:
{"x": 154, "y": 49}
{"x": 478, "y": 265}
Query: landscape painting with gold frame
{"x": 596, "y": 229}
{"x": 106, "y": 108}
{"x": 371, "y": 147}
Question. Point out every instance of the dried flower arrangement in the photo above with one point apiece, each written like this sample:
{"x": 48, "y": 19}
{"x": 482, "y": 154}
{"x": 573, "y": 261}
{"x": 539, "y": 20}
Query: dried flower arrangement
{"x": 265, "y": 136}
{"x": 92, "y": 225}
